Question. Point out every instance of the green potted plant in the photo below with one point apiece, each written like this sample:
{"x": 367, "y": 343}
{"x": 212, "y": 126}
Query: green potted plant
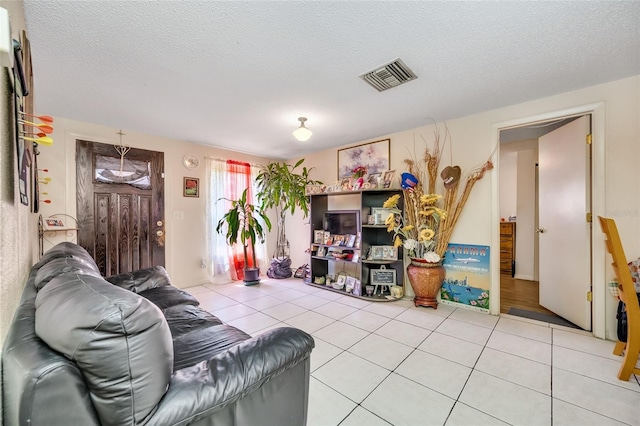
{"x": 242, "y": 223}
{"x": 281, "y": 187}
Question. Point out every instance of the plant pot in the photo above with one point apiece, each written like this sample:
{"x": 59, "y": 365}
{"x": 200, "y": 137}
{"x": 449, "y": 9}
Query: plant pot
{"x": 426, "y": 280}
{"x": 251, "y": 276}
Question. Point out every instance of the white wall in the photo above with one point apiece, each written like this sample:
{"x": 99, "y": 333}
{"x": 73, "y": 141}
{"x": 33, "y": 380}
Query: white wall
{"x": 185, "y": 236}
{"x": 474, "y": 138}
{"x": 508, "y": 182}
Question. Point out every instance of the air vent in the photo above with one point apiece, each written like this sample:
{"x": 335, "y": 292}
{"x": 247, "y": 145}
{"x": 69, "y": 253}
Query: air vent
{"x": 391, "y": 75}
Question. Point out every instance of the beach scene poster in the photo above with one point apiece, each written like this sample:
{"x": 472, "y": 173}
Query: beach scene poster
{"x": 467, "y": 281}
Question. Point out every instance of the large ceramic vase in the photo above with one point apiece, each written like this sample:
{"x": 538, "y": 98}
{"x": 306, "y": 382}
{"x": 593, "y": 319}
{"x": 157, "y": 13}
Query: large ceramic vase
{"x": 426, "y": 280}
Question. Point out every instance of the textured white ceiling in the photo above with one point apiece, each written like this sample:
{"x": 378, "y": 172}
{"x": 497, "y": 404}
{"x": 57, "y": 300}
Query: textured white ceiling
{"x": 237, "y": 74}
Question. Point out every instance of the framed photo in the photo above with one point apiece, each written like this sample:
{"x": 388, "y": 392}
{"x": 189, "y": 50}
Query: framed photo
{"x": 380, "y": 214}
{"x": 191, "y": 187}
{"x": 374, "y": 156}
{"x": 357, "y": 288}
{"x": 373, "y": 179}
{"x": 53, "y": 223}
{"x": 376, "y": 253}
{"x": 351, "y": 281}
{"x": 312, "y": 189}
{"x": 383, "y": 277}
{"x": 326, "y": 238}
{"x": 350, "y": 240}
{"x": 387, "y": 178}
{"x": 358, "y": 240}
{"x": 389, "y": 253}
{"x": 318, "y": 236}
{"x": 341, "y": 281}
{"x": 345, "y": 184}
{"x": 321, "y": 252}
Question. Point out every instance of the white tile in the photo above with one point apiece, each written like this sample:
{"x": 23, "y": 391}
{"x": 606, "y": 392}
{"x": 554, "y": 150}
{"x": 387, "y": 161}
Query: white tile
{"x": 456, "y": 350}
{"x": 420, "y": 318}
{"x": 588, "y": 344}
{"x": 443, "y": 309}
{"x": 213, "y": 301}
{"x": 335, "y": 310}
{"x": 232, "y": 312}
{"x": 608, "y": 400}
{"x": 521, "y": 371}
{"x": 284, "y": 311}
{"x": 507, "y": 401}
{"x": 401, "y": 401}
{"x": 322, "y": 353}
{"x": 309, "y": 289}
{"x": 593, "y": 366}
{"x": 254, "y": 322}
{"x": 436, "y": 373}
{"x": 465, "y": 331}
{"x": 387, "y": 309}
{"x": 365, "y": 320}
{"x": 516, "y": 345}
{"x": 565, "y": 414}
{"x": 262, "y": 303}
{"x": 227, "y": 289}
{"x": 269, "y": 288}
{"x": 382, "y": 351}
{"x": 197, "y": 289}
{"x": 463, "y": 415}
{"x": 290, "y": 295}
{"x": 353, "y": 301}
{"x": 341, "y": 335}
{"x": 245, "y": 294}
{"x": 309, "y": 321}
{"x": 404, "y": 333}
{"x": 329, "y": 295}
{"x": 362, "y": 417}
{"x": 475, "y": 317}
{"x": 524, "y": 329}
{"x": 310, "y": 301}
{"x": 326, "y": 406}
{"x": 350, "y": 375}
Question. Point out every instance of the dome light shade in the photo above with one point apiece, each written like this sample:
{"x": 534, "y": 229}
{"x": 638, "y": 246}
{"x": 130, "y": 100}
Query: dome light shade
{"x": 302, "y": 133}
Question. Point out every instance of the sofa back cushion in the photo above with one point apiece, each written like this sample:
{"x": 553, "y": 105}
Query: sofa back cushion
{"x": 119, "y": 340}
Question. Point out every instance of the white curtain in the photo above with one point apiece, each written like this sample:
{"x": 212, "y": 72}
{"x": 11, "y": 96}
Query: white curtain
{"x": 217, "y": 181}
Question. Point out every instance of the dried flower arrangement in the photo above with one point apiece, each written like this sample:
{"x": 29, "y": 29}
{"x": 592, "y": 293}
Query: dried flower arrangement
{"x": 429, "y": 218}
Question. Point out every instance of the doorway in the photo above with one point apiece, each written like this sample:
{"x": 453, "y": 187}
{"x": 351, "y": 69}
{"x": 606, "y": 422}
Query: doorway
{"x": 120, "y": 206}
{"x": 545, "y": 180}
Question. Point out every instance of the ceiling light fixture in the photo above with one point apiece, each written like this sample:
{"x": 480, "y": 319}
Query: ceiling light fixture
{"x": 302, "y": 133}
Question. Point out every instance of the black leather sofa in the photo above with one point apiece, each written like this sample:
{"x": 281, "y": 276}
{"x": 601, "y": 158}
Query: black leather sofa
{"x": 132, "y": 349}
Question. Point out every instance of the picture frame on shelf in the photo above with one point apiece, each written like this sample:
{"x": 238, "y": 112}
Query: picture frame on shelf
{"x": 321, "y": 251}
{"x": 357, "y": 288}
{"x": 376, "y": 253}
{"x": 350, "y": 283}
{"x": 387, "y": 178}
{"x": 318, "y": 236}
{"x": 374, "y": 179}
{"x": 358, "y": 241}
{"x": 341, "y": 280}
{"x": 53, "y": 224}
{"x": 374, "y": 156}
{"x": 389, "y": 253}
{"x": 350, "y": 240}
{"x": 338, "y": 240}
{"x": 380, "y": 215}
{"x": 326, "y": 238}
{"x": 345, "y": 184}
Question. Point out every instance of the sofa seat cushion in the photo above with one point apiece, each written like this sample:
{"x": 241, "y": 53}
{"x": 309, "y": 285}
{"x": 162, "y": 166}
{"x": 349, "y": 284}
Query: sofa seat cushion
{"x": 200, "y": 345}
{"x": 119, "y": 340}
{"x": 185, "y": 319}
{"x": 63, "y": 265}
{"x": 141, "y": 279}
{"x": 167, "y": 296}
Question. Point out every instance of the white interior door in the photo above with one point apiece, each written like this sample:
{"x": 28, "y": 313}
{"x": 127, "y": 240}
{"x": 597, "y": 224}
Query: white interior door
{"x": 564, "y": 234}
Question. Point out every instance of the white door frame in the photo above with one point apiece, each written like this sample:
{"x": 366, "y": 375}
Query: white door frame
{"x": 597, "y": 111}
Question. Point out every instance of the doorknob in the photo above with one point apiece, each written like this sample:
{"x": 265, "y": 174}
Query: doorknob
{"x": 159, "y": 233}
{"x": 540, "y": 230}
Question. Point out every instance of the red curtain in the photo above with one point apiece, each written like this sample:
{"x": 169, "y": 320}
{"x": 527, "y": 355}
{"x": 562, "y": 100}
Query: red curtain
{"x": 239, "y": 178}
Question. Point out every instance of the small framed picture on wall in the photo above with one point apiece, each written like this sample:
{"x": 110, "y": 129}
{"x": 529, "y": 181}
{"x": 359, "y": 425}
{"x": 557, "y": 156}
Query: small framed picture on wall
{"x": 191, "y": 187}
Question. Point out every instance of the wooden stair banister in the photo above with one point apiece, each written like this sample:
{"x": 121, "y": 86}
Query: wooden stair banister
{"x": 628, "y": 296}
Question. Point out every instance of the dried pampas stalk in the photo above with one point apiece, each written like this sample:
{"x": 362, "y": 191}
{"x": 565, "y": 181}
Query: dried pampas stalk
{"x": 452, "y": 218}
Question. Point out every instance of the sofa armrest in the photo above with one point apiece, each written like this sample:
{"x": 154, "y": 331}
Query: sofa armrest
{"x": 142, "y": 279}
{"x": 200, "y": 391}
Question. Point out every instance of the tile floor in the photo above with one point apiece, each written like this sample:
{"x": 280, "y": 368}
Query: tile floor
{"x": 391, "y": 363}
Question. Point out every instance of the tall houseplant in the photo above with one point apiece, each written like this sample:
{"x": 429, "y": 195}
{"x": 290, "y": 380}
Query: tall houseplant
{"x": 282, "y": 187}
{"x": 242, "y": 223}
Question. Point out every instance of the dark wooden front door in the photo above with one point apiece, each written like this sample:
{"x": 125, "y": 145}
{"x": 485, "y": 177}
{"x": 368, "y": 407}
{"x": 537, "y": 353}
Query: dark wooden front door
{"x": 120, "y": 206}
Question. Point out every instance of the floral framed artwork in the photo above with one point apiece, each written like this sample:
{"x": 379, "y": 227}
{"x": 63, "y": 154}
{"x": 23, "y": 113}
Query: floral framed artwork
{"x": 373, "y": 157}
{"x": 191, "y": 187}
